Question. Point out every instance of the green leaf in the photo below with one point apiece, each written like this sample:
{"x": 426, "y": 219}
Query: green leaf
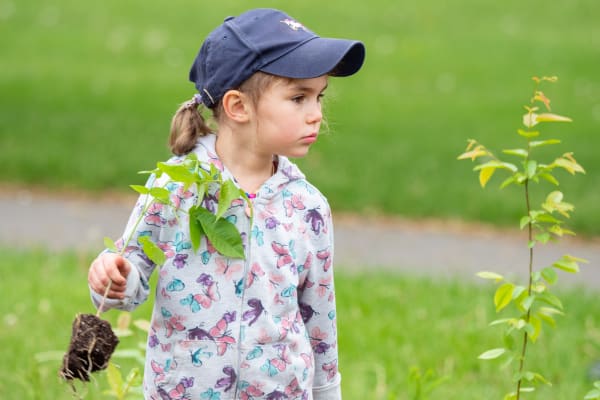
{"x": 527, "y": 389}
{"x": 134, "y": 378}
{"x": 549, "y": 117}
{"x": 550, "y": 275}
{"x": 160, "y": 194}
{"x": 543, "y": 237}
{"x": 201, "y": 191}
{"x": 152, "y": 250}
{"x": 546, "y": 217}
{"x": 140, "y": 189}
{"x": 156, "y": 172}
{"x": 518, "y": 291}
{"x": 490, "y": 275}
{"x": 567, "y": 265}
{"x": 527, "y": 302}
{"x": 196, "y": 231}
{"x": 530, "y": 168}
{"x": 215, "y": 173}
{"x": 497, "y": 164}
{"x": 520, "y": 177}
{"x": 223, "y": 235}
{"x": 503, "y": 296}
{"x": 528, "y": 134}
{"x": 517, "y": 152}
{"x": 228, "y": 193}
{"x": 115, "y": 380}
{"x": 551, "y": 299}
{"x": 539, "y": 143}
{"x": 492, "y": 354}
{"x": 502, "y": 321}
{"x": 177, "y": 172}
{"x": 508, "y": 181}
{"x": 110, "y": 245}
{"x": 547, "y": 313}
{"x": 524, "y": 221}
{"x": 536, "y": 323}
{"x": 549, "y": 177}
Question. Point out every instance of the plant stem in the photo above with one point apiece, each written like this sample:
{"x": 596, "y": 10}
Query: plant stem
{"x": 147, "y": 204}
{"x": 529, "y": 289}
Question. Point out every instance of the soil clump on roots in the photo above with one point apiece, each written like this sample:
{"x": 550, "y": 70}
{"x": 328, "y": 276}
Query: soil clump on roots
{"x": 92, "y": 344}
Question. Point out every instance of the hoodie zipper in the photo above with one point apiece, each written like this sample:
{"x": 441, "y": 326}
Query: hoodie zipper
{"x": 250, "y": 219}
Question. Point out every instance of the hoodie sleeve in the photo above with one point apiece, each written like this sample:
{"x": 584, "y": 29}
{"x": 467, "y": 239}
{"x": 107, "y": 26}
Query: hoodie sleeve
{"x": 318, "y": 302}
{"x": 137, "y": 281}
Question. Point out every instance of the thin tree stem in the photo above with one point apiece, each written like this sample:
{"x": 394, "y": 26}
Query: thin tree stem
{"x": 529, "y": 289}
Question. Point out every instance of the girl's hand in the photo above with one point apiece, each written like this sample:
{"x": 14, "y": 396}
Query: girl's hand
{"x": 106, "y": 268}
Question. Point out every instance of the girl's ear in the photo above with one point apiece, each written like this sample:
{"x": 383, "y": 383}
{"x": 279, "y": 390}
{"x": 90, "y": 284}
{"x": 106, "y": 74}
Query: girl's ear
{"x": 236, "y": 106}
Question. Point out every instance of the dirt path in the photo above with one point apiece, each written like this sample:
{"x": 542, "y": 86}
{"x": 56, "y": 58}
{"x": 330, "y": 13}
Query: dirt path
{"x": 34, "y": 218}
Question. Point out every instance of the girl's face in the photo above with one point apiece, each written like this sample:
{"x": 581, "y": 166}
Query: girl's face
{"x": 288, "y": 116}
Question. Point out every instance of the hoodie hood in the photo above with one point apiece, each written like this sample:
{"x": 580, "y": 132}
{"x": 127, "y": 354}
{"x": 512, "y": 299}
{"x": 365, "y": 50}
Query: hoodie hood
{"x": 286, "y": 172}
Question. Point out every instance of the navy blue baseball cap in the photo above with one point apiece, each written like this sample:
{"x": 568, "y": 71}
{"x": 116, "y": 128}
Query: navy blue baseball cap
{"x": 270, "y": 41}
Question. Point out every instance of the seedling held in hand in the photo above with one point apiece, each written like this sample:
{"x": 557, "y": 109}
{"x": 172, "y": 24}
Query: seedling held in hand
{"x": 93, "y": 341}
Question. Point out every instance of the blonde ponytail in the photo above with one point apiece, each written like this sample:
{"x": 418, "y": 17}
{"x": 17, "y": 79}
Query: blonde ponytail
{"x": 187, "y": 126}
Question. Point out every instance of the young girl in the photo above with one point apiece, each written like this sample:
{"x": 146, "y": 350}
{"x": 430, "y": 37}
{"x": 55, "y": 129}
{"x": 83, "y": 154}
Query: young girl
{"x": 263, "y": 327}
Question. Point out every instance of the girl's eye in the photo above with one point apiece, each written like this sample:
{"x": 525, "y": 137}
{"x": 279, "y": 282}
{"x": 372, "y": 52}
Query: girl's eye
{"x": 298, "y": 99}
{"x": 320, "y": 97}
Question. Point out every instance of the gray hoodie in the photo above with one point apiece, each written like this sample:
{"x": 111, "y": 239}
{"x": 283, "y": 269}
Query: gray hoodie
{"x": 222, "y": 328}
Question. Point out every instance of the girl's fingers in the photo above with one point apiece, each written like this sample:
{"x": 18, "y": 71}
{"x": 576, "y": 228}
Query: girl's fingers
{"x": 104, "y": 270}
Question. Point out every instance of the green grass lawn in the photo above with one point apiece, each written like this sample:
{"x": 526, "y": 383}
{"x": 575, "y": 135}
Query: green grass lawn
{"x": 387, "y": 324}
{"x": 87, "y": 91}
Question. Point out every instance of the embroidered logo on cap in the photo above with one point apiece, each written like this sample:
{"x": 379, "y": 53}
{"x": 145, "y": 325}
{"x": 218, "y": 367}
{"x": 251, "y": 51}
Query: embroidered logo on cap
{"x": 295, "y": 25}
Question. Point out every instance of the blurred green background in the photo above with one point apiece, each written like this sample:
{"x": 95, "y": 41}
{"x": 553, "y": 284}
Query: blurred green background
{"x": 87, "y": 91}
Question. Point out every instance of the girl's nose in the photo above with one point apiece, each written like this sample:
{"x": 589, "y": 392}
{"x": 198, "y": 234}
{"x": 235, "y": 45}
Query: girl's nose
{"x": 316, "y": 114}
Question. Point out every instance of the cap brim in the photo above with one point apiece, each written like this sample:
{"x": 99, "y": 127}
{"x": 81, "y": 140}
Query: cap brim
{"x": 317, "y": 57}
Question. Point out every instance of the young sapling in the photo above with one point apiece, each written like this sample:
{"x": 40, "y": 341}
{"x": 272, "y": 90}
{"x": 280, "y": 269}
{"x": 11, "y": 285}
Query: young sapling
{"x": 534, "y": 303}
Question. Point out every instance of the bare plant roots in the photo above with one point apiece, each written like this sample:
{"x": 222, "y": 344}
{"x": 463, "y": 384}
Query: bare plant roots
{"x": 92, "y": 344}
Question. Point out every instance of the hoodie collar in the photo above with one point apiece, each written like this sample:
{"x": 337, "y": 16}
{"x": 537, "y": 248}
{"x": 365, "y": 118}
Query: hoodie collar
{"x": 286, "y": 171}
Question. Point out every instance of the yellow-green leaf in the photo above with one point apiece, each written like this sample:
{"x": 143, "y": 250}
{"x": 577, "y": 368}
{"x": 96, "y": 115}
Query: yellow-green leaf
{"x": 517, "y": 152}
{"x": 115, "y": 380}
{"x": 536, "y": 323}
{"x": 538, "y": 143}
{"x": 140, "y": 189}
{"x": 152, "y": 250}
{"x": 110, "y": 245}
{"x": 491, "y": 354}
{"x": 496, "y": 164}
{"x": 485, "y": 174}
{"x": 503, "y": 296}
{"x": 490, "y": 275}
{"x": 528, "y": 134}
{"x": 549, "y": 117}
{"x": 160, "y": 194}
{"x": 570, "y": 166}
